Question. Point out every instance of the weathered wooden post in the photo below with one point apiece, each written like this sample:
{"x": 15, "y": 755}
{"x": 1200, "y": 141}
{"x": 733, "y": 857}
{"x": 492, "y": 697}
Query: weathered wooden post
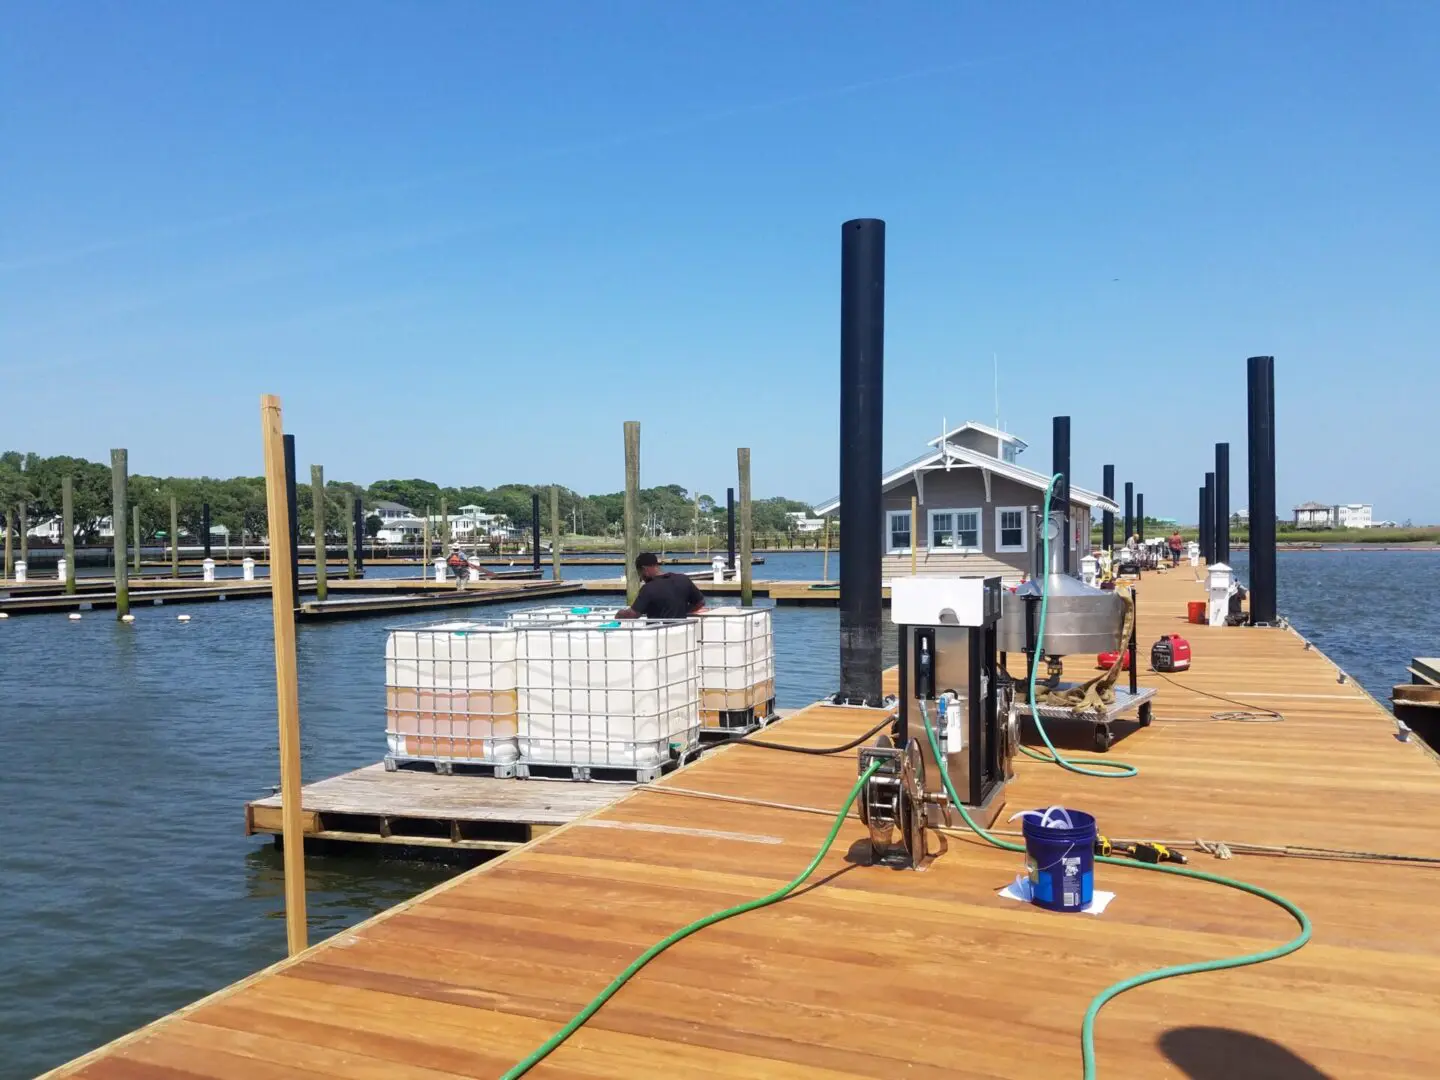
{"x": 317, "y": 504}
{"x": 67, "y": 522}
{"x": 350, "y": 535}
{"x": 747, "y": 591}
{"x": 444, "y": 525}
{"x": 119, "y": 479}
{"x": 535, "y": 531}
{"x": 425, "y": 544}
{"x": 205, "y": 532}
{"x": 136, "y": 516}
{"x": 174, "y": 537}
{"x": 278, "y": 499}
{"x": 24, "y": 534}
{"x": 555, "y": 532}
{"x": 825, "y": 572}
{"x": 632, "y": 508}
{"x": 9, "y": 552}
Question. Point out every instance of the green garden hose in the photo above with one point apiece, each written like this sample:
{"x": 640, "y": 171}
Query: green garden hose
{"x": 1087, "y": 1029}
{"x": 1112, "y": 770}
{"x": 549, "y": 1045}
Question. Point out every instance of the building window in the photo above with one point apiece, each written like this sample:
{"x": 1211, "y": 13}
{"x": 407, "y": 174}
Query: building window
{"x": 898, "y": 530}
{"x": 955, "y": 530}
{"x": 1010, "y": 529}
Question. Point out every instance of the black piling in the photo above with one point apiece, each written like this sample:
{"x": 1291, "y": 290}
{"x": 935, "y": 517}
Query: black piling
{"x": 1060, "y": 466}
{"x": 1222, "y": 502}
{"x": 1140, "y": 516}
{"x": 535, "y": 529}
{"x": 862, "y": 388}
{"x": 1129, "y": 511}
{"x": 1107, "y": 518}
{"x": 359, "y": 535}
{"x": 1209, "y": 517}
{"x": 1262, "y": 489}
{"x": 291, "y": 502}
{"x": 205, "y": 527}
{"x": 730, "y": 528}
{"x": 1202, "y": 522}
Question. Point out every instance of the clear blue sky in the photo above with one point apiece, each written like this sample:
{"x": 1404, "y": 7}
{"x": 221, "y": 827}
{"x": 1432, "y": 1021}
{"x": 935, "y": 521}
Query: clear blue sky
{"x": 465, "y": 241}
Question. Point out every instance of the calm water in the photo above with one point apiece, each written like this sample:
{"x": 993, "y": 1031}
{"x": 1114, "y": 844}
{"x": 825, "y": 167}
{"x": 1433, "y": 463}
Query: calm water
{"x": 129, "y": 889}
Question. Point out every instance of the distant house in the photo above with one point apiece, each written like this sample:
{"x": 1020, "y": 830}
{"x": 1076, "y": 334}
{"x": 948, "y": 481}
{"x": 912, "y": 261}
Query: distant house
{"x": 1314, "y": 515}
{"x": 975, "y": 507}
{"x": 801, "y": 522}
{"x": 1354, "y": 515}
{"x": 389, "y": 511}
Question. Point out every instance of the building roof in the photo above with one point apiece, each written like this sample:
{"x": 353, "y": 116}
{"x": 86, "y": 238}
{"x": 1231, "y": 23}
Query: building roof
{"x": 1313, "y": 506}
{"x": 984, "y": 429}
{"x": 967, "y": 458}
{"x": 385, "y": 504}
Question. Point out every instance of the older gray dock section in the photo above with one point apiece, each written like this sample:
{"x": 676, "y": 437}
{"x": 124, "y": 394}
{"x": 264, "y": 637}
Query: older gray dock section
{"x": 423, "y": 809}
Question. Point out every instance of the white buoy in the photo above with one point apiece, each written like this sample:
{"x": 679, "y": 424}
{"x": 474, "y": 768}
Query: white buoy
{"x": 127, "y": 617}
{"x": 182, "y": 618}
{"x": 74, "y": 616}
{"x": 4, "y": 614}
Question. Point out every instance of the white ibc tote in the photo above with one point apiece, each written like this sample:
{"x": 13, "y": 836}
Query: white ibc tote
{"x": 556, "y": 614}
{"x": 737, "y": 662}
{"x": 450, "y": 692}
{"x": 621, "y": 694}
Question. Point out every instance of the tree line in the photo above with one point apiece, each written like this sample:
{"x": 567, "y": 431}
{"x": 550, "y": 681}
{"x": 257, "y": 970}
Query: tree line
{"x": 238, "y": 503}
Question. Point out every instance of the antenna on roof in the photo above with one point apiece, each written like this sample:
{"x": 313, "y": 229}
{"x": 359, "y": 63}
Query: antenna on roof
{"x": 995, "y": 359}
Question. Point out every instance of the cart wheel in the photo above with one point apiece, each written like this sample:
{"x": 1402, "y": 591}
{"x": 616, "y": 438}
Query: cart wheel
{"x": 1102, "y": 739}
{"x": 1146, "y": 715}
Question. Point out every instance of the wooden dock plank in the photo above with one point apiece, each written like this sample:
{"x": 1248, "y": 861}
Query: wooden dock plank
{"x": 879, "y": 973}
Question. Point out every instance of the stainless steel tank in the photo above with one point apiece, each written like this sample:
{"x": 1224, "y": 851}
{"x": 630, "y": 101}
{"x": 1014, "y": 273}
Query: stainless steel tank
{"x": 1078, "y": 617}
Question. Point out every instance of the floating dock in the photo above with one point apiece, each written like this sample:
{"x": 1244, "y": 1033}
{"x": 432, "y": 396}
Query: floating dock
{"x": 414, "y": 808}
{"x": 869, "y": 972}
{"x": 407, "y": 598}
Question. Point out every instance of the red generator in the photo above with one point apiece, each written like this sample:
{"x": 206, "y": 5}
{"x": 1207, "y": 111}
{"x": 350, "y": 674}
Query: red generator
{"x": 1170, "y": 653}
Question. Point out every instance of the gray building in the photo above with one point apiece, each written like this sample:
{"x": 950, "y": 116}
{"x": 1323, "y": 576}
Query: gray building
{"x": 975, "y": 508}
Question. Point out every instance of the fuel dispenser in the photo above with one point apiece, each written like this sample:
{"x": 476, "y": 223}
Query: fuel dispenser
{"x": 948, "y": 667}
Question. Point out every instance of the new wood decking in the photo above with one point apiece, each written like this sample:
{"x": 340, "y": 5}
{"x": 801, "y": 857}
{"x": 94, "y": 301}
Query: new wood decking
{"x": 880, "y": 973}
{"x": 421, "y": 809}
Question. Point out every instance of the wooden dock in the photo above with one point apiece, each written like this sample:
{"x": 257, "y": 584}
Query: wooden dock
{"x": 869, "y": 972}
{"x": 422, "y": 809}
{"x": 405, "y": 601}
{"x": 152, "y": 593}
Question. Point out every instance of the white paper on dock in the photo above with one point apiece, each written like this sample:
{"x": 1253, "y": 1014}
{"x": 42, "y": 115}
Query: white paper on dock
{"x": 1099, "y": 900}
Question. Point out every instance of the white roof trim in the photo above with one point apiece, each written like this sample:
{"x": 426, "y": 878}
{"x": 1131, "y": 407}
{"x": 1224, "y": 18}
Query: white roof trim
{"x": 984, "y": 429}
{"x": 974, "y": 459}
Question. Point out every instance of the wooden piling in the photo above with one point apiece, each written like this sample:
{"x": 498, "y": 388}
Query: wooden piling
{"x": 24, "y": 533}
{"x": 317, "y": 502}
{"x": 67, "y": 522}
{"x": 119, "y": 480}
{"x": 825, "y": 564}
{"x": 350, "y": 535}
{"x": 747, "y": 588}
{"x": 425, "y": 543}
{"x": 444, "y": 526}
{"x": 174, "y": 537}
{"x": 9, "y": 551}
{"x": 136, "y": 520}
{"x": 287, "y": 693}
{"x": 914, "y": 534}
{"x": 632, "y": 508}
{"x": 555, "y": 532}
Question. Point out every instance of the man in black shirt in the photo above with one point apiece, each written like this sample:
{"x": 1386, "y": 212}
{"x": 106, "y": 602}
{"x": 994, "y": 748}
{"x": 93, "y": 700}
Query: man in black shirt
{"x": 663, "y": 596}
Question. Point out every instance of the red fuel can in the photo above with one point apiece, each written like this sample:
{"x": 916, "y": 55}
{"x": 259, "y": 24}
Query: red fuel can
{"x": 1106, "y": 660}
{"x": 1170, "y": 653}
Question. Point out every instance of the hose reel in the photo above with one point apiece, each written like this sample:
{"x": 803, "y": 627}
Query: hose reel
{"x": 892, "y": 803}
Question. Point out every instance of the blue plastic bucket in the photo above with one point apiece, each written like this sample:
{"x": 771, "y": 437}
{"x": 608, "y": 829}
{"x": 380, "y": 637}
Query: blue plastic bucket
{"x": 1061, "y": 861}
